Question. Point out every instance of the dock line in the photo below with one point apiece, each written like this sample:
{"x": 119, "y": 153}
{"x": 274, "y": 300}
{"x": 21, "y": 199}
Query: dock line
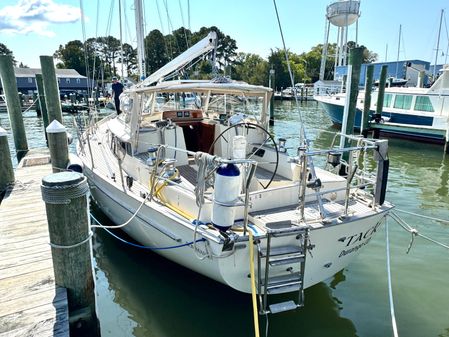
{"x": 141, "y": 246}
{"x": 390, "y": 290}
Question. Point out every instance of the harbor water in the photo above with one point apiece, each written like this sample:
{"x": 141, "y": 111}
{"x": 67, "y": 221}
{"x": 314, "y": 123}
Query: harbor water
{"x": 141, "y": 294}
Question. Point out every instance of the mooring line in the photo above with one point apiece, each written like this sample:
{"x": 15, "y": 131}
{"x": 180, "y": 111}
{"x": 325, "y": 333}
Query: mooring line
{"x": 390, "y": 290}
{"x": 414, "y": 232}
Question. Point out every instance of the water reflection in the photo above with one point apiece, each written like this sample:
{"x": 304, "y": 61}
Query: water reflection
{"x": 160, "y": 298}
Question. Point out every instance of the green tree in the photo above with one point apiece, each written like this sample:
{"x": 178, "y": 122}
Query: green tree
{"x": 251, "y": 68}
{"x": 5, "y": 51}
{"x": 72, "y": 56}
{"x": 278, "y": 62}
{"x": 129, "y": 59}
{"x": 155, "y": 51}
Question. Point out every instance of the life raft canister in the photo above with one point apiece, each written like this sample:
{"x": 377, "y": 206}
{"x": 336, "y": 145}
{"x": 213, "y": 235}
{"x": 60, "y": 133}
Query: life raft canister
{"x": 226, "y": 190}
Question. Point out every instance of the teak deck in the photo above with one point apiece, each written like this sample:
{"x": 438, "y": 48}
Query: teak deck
{"x": 31, "y": 304}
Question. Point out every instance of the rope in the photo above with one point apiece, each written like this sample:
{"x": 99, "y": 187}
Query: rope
{"x": 422, "y": 216}
{"x": 414, "y": 232}
{"x": 253, "y": 284}
{"x": 127, "y": 221}
{"x": 206, "y": 165}
{"x": 53, "y": 245}
{"x": 64, "y": 194}
{"x": 141, "y": 246}
{"x": 390, "y": 290}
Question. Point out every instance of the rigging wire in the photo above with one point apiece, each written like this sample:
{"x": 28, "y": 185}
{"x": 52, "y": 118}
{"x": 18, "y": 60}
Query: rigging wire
{"x": 183, "y": 24}
{"x": 86, "y": 59}
{"x": 170, "y": 28}
{"x": 303, "y": 136}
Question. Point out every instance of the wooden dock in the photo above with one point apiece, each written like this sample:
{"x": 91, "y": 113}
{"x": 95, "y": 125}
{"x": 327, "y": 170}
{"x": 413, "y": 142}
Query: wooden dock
{"x": 30, "y": 302}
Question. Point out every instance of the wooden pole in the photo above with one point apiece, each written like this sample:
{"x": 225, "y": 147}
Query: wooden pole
{"x": 42, "y": 103}
{"x": 66, "y": 204}
{"x": 355, "y": 59}
{"x": 6, "y": 169}
{"x": 8, "y": 78}
{"x": 272, "y": 86}
{"x": 380, "y": 98}
{"x": 51, "y": 89}
{"x": 367, "y": 101}
{"x": 57, "y": 143}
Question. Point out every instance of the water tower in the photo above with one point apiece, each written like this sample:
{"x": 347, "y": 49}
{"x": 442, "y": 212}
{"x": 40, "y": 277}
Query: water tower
{"x": 341, "y": 14}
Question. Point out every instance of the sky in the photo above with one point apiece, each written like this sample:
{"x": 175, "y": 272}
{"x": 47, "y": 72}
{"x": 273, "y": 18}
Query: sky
{"x": 31, "y": 28}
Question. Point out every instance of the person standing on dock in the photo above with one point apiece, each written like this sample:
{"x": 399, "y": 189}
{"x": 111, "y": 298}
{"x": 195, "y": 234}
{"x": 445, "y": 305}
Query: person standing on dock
{"x": 117, "y": 89}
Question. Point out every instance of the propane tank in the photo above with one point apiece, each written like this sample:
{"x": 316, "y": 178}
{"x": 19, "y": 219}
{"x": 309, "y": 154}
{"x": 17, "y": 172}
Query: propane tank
{"x": 226, "y": 190}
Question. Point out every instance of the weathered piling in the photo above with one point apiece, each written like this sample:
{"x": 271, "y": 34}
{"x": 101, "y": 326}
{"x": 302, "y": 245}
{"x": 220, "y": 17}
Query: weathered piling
{"x": 6, "y": 169}
{"x": 355, "y": 60}
{"x": 57, "y": 143}
{"x": 66, "y": 204}
{"x": 364, "y": 124}
{"x": 380, "y": 98}
{"x": 272, "y": 86}
{"x": 42, "y": 103}
{"x": 9, "y": 83}
{"x": 51, "y": 89}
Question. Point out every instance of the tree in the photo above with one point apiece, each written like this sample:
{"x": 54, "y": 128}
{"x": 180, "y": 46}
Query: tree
{"x": 155, "y": 51}
{"x": 278, "y": 62}
{"x": 5, "y": 51}
{"x": 226, "y": 50}
{"x": 129, "y": 59}
{"x": 251, "y": 68}
{"x": 72, "y": 56}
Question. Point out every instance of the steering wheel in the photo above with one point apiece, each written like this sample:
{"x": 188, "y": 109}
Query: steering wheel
{"x": 227, "y": 134}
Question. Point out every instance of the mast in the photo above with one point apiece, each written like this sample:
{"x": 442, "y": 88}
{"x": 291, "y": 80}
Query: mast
{"x": 140, "y": 38}
{"x": 121, "y": 39}
{"x": 399, "y": 48}
{"x": 438, "y": 46}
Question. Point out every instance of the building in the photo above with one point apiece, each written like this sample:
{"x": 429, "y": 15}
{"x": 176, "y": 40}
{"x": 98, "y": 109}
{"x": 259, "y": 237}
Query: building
{"x": 406, "y": 69}
{"x": 70, "y": 81}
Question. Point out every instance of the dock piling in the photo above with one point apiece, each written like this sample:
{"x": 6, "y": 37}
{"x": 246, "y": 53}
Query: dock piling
{"x": 380, "y": 99}
{"x": 57, "y": 143}
{"x": 6, "y": 169}
{"x": 66, "y": 204}
{"x": 42, "y": 103}
{"x": 51, "y": 89}
{"x": 364, "y": 125}
{"x": 9, "y": 83}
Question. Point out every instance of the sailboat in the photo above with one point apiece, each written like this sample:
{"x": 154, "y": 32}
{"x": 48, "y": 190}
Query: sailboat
{"x": 207, "y": 186}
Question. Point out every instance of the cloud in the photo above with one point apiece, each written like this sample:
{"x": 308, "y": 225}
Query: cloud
{"x": 35, "y": 16}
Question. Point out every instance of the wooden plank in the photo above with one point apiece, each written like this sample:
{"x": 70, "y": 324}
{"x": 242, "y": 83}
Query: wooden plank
{"x": 24, "y": 259}
{"x": 22, "y": 251}
{"x": 49, "y": 319}
{"x": 26, "y": 268}
{"x": 22, "y": 243}
{"x": 24, "y": 285}
{"x": 32, "y": 301}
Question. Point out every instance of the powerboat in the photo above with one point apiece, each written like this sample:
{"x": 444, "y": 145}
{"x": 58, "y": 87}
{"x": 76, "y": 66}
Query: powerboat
{"x": 413, "y": 112}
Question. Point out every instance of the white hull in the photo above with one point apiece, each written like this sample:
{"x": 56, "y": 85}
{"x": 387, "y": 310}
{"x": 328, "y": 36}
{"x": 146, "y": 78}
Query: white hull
{"x": 334, "y": 246}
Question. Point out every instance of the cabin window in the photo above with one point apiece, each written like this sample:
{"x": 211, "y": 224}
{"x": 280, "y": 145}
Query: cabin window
{"x": 423, "y": 104}
{"x": 387, "y": 100}
{"x": 67, "y": 80}
{"x": 403, "y": 102}
{"x": 30, "y": 80}
{"x": 78, "y": 81}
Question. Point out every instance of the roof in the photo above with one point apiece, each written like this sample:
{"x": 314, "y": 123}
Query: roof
{"x": 31, "y": 72}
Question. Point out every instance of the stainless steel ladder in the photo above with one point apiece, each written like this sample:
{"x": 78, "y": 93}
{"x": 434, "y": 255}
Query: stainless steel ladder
{"x": 282, "y": 255}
